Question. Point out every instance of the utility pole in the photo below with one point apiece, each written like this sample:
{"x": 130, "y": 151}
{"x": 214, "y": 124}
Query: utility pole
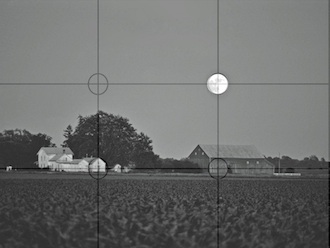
{"x": 279, "y": 163}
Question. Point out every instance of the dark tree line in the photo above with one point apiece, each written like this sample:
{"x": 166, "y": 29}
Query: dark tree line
{"x": 288, "y": 164}
{"x": 19, "y": 148}
{"x": 178, "y": 166}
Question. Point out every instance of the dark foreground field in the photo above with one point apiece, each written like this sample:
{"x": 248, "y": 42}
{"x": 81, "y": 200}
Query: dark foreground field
{"x": 55, "y": 212}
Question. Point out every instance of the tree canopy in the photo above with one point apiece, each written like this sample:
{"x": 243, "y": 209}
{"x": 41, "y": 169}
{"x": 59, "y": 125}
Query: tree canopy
{"x": 115, "y": 140}
{"x": 19, "y": 147}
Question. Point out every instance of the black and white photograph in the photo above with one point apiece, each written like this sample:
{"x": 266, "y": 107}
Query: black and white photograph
{"x": 164, "y": 123}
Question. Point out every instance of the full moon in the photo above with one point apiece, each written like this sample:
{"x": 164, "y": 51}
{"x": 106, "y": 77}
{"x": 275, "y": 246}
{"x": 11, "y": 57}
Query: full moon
{"x": 217, "y": 84}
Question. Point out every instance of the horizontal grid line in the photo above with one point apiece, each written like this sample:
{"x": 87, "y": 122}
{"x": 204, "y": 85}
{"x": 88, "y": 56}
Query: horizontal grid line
{"x": 158, "y": 84}
{"x": 181, "y": 168}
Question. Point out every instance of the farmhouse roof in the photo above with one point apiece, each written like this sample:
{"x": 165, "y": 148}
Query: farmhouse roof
{"x": 56, "y": 150}
{"x": 231, "y": 151}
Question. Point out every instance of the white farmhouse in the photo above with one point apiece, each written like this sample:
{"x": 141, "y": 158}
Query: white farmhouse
{"x": 45, "y": 154}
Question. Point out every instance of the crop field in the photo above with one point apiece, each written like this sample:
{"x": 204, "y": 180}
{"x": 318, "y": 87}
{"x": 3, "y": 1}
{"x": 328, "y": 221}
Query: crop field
{"x": 54, "y": 212}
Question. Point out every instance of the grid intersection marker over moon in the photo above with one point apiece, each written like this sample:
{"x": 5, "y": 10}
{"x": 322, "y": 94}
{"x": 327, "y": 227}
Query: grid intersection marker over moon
{"x": 98, "y": 85}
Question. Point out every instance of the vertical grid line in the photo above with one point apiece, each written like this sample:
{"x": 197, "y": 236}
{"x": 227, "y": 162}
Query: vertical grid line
{"x": 328, "y": 85}
{"x": 218, "y": 17}
{"x": 98, "y": 119}
{"x": 218, "y": 179}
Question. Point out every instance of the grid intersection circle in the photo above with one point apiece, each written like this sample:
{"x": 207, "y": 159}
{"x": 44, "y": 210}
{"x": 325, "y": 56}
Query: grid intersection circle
{"x": 96, "y": 170}
{"x": 218, "y": 168}
{"x": 97, "y": 84}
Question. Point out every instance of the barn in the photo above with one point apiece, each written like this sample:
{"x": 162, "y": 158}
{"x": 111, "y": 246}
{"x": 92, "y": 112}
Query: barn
{"x": 241, "y": 159}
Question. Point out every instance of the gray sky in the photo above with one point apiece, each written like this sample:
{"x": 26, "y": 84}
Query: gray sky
{"x": 172, "y": 41}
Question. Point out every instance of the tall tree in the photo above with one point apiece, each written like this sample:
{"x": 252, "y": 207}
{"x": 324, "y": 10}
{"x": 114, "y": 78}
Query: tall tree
{"x": 114, "y": 140}
{"x": 67, "y": 134}
{"x": 313, "y": 158}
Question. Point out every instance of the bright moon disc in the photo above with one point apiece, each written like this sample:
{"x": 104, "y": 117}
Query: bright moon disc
{"x": 217, "y": 84}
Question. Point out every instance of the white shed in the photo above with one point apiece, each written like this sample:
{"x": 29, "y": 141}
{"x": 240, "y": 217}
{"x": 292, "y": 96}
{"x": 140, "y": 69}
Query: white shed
{"x": 117, "y": 168}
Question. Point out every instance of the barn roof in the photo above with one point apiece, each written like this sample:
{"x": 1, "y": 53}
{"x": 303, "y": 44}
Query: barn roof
{"x": 56, "y": 150}
{"x": 231, "y": 151}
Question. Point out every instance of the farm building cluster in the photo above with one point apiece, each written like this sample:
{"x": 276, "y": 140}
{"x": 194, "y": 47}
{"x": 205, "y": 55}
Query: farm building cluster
{"x": 241, "y": 159}
{"x": 61, "y": 159}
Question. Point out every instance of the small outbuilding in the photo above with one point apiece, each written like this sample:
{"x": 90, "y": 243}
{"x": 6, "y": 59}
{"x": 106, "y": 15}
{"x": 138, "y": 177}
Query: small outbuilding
{"x": 241, "y": 159}
{"x": 117, "y": 168}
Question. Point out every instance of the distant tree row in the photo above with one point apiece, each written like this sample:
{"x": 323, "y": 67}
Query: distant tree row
{"x": 288, "y": 164}
{"x": 177, "y": 166}
{"x": 19, "y": 148}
